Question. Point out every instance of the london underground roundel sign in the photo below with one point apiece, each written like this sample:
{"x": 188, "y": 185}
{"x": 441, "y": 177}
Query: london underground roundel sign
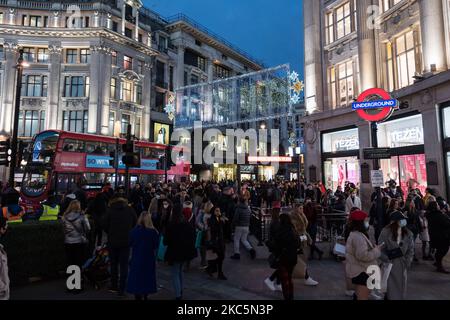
{"x": 377, "y": 100}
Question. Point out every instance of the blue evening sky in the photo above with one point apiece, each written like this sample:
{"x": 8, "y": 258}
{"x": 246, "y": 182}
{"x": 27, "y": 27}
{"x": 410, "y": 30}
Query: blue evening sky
{"x": 269, "y": 30}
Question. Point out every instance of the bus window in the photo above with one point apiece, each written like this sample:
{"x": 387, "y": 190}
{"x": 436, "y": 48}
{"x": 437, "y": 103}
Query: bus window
{"x": 44, "y": 146}
{"x": 93, "y": 147}
{"x": 71, "y": 145}
{"x": 152, "y": 153}
{"x": 93, "y": 180}
{"x": 35, "y": 182}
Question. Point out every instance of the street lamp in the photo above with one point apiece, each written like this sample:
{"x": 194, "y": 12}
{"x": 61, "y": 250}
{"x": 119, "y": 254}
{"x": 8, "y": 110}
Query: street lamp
{"x": 262, "y": 126}
{"x": 21, "y": 64}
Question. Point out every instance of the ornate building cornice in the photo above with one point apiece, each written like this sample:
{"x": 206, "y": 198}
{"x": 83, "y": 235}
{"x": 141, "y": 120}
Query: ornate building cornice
{"x": 54, "y": 49}
{"x": 78, "y": 33}
{"x": 11, "y": 46}
{"x": 101, "y": 48}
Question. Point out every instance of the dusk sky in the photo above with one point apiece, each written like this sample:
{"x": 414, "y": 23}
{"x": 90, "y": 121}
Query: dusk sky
{"x": 269, "y": 30}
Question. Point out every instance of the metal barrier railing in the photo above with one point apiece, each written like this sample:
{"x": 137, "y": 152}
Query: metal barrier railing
{"x": 330, "y": 224}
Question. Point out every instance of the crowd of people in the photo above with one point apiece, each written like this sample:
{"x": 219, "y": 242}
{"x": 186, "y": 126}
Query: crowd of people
{"x": 176, "y": 222}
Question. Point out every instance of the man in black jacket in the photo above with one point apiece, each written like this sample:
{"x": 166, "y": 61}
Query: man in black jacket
{"x": 120, "y": 218}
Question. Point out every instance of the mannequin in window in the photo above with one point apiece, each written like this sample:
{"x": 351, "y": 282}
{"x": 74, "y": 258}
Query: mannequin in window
{"x": 161, "y": 136}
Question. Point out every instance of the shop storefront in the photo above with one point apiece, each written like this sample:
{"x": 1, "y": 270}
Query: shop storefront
{"x": 248, "y": 172}
{"x": 445, "y": 116}
{"x": 407, "y": 165}
{"x": 340, "y": 157}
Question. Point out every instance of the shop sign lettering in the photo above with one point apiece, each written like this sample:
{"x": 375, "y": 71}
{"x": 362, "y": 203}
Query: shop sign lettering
{"x": 347, "y": 143}
{"x": 412, "y": 135}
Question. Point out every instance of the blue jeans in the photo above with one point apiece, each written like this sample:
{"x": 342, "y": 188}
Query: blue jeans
{"x": 177, "y": 277}
{"x": 119, "y": 259}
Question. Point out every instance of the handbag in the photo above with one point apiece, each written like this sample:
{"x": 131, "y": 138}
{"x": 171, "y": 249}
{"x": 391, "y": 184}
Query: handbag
{"x": 339, "y": 249}
{"x": 161, "y": 249}
{"x": 199, "y": 239}
{"x": 394, "y": 253}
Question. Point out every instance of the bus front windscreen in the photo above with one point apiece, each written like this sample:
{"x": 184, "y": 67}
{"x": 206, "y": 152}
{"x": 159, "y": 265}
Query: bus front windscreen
{"x": 35, "y": 182}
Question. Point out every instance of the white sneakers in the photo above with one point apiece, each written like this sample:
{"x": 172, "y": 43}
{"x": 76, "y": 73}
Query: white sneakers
{"x": 311, "y": 282}
{"x": 349, "y": 293}
{"x": 270, "y": 284}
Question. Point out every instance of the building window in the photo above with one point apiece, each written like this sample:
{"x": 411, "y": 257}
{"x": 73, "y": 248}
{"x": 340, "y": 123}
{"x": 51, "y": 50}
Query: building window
{"x": 113, "y": 88}
{"x": 35, "y": 21}
{"x": 127, "y": 63}
{"x": 114, "y": 58}
{"x": 71, "y": 55}
{"x": 346, "y": 93}
{"x": 137, "y": 127}
{"x": 162, "y": 44}
{"x": 125, "y": 121}
{"x": 112, "y": 122}
{"x": 2, "y": 55}
{"x": 29, "y": 54}
{"x": 140, "y": 67}
{"x": 34, "y": 86}
{"x": 171, "y": 78}
{"x": 42, "y": 55}
{"x": 407, "y": 52}
{"x": 1, "y": 17}
{"x": 220, "y": 72}
{"x": 140, "y": 38}
{"x": 340, "y": 22}
{"x": 160, "y": 68}
{"x": 85, "y": 56}
{"x": 76, "y": 86}
{"x": 115, "y": 26}
{"x": 75, "y": 121}
{"x": 127, "y": 91}
{"x": 159, "y": 101}
{"x": 193, "y": 59}
{"x": 31, "y": 122}
{"x": 332, "y": 86}
{"x": 138, "y": 93}
{"x": 128, "y": 33}
{"x": 387, "y": 4}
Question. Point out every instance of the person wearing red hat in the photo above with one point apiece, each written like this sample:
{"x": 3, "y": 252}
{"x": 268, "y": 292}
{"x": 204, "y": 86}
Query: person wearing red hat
{"x": 360, "y": 253}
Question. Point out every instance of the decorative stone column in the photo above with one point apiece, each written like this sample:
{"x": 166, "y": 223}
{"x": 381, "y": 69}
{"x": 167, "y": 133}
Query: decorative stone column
{"x": 180, "y": 67}
{"x": 433, "y": 37}
{"x": 53, "y": 98}
{"x": 9, "y": 84}
{"x": 136, "y": 28}
{"x": 366, "y": 47}
{"x": 99, "y": 98}
{"x": 146, "y": 101}
{"x": 313, "y": 66}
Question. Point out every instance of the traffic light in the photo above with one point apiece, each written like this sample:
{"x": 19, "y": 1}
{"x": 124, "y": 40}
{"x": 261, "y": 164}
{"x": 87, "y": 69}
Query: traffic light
{"x": 128, "y": 147}
{"x": 132, "y": 159}
{"x": 5, "y": 152}
{"x": 112, "y": 160}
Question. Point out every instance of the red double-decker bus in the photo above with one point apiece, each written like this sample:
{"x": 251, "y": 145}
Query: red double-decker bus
{"x": 60, "y": 159}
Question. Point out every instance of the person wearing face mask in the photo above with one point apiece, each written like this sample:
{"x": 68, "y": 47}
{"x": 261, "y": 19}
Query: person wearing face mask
{"x": 353, "y": 201}
{"x": 398, "y": 250}
{"x": 4, "y": 278}
{"x": 360, "y": 253}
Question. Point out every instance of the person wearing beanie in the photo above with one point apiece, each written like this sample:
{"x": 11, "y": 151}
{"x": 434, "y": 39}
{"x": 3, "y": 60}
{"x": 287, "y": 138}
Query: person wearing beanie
{"x": 360, "y": 253}
{"x": 399, "y": 250}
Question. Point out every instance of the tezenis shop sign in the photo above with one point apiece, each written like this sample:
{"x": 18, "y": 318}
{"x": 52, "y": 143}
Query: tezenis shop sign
{"x": 374, "y": 105}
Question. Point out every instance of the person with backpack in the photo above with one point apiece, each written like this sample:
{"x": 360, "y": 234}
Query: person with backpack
{"x": 119, "y": 220}
{"x": 144, "y": 241}
{"x": 76, "y": 228}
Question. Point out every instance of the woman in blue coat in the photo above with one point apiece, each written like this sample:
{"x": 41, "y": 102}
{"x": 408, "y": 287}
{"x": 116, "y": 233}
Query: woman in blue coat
{"x": 144, "y": 241}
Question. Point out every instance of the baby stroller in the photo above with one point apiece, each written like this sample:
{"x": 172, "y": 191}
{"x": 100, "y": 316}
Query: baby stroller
{"x": 96, "y": 270}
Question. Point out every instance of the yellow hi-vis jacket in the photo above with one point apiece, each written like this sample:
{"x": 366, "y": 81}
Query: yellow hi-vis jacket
{"x": 49, "y": 213}
{"x": 12, "y": 218}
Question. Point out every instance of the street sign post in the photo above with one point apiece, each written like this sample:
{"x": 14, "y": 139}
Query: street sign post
{"x": 377, "y": 153}
{"x": 377, "y": 179}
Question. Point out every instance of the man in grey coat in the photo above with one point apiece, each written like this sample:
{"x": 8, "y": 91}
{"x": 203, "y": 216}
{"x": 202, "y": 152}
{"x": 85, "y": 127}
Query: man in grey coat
{"x": 241, "y": 222}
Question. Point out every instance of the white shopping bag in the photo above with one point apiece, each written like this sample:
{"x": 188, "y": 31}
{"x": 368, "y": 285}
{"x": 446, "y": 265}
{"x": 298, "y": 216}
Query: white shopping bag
{"x": 385, "y": 272}
{"x": 339, "y": 250}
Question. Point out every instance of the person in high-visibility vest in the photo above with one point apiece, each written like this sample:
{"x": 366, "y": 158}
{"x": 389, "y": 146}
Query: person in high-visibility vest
{"x": 13, "y": 213}
{"x": 50, "y": 209}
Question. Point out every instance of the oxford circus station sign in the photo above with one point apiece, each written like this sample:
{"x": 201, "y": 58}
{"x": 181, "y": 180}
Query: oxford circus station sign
{"x": 374, "y": 105}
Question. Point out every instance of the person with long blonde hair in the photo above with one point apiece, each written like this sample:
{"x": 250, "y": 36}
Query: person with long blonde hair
{"x": 144, "y": 241}
{"x": 76, "y": 229}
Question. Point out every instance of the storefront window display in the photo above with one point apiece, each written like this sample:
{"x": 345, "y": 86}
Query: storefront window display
{"x": 266, "y": 173}
{"x": 402, "y": 132}
{"x": 339, "y": 170}
{"x": 161, "y": 133}
{"x": 408, "y": 171}
{"x": 339, "y": 141}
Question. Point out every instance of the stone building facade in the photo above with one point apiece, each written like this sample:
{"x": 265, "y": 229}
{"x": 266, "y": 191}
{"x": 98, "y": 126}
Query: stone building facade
{"x": 401, "y": 46}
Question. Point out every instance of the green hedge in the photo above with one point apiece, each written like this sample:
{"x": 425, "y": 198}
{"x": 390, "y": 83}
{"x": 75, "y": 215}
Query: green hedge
{"x": 35, "y": 249}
